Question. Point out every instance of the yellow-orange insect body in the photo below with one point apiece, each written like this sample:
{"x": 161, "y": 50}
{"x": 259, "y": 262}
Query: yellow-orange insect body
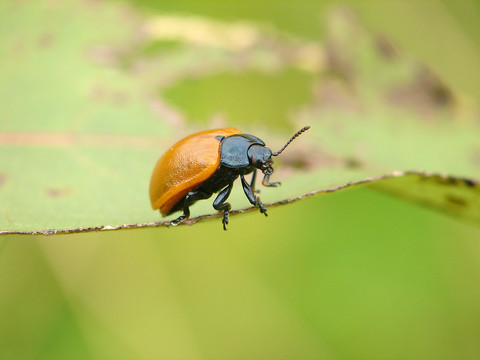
{"x": 208, "y": 162}
{"x": 184, "y": 166}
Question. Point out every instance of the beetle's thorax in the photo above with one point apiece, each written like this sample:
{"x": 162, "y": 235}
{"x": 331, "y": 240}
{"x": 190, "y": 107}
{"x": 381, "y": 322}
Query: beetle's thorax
{"x": 234, "y": 150}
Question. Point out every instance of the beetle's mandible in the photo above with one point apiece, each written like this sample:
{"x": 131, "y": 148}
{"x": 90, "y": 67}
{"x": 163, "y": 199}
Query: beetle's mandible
{"x": 208, "y": 162}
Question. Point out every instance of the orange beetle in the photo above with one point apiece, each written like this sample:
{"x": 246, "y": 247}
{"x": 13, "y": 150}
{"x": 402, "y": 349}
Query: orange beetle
{"x": 208, "y": 162}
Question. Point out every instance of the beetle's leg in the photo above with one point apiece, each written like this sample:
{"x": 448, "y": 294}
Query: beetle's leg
{"x": 177, "y": 221}
{"x": 266, "y": 181}
{"x": 190, "y": 198}
{"x": 254, "y": 200}
{"x": 252, "y": 182}
{"x": 220, "y": 204}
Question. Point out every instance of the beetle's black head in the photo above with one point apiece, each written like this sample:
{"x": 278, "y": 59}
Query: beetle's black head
{"x": 261, "y": 157}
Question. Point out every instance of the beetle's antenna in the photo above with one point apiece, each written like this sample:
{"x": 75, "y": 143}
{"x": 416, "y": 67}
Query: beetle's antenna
{"x": 298, "y": 133}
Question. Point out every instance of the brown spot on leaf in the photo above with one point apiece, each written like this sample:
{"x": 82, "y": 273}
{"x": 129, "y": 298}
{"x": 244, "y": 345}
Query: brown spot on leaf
{"x": 120, "y": 97}
{"x": 105, "y": 55}
{"x": 167, "y": 113}
{"x": 453, "y": 181}
{"x": 476, "y": 157}
{"x": 46, "y": 40}
{"x": 69, "y": 139}
{"x": 425, "y": 94}
{"x": 456, "y": 181}
{"x": 353, "y": 163}
{"x": 470, "y": 183}
{"x": 57, "y": 192}
{"x": 330, "y": 93}
{"x": 97, "y": 92}
{"x": 386, "y": 48}
{"x": 3, "y": 178}
{"x": 338, "y": 64}
{"x": 455, "y": 200}
{"x": 306, "y": 158}
{"x": 343, "y": 32}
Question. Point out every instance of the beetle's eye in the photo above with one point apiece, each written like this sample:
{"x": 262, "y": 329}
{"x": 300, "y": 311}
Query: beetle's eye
{"x": 260, "y": 163}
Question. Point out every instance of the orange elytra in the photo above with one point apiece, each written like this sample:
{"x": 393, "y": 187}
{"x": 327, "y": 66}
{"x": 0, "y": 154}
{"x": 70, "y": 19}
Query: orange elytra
{"x": 208, "y": 162}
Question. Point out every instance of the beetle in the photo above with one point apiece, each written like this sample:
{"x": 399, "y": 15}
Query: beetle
{"x": 208, "y": 162}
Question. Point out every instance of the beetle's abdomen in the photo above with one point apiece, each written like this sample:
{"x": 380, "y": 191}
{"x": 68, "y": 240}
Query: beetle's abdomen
{"x": 184, "y": 166}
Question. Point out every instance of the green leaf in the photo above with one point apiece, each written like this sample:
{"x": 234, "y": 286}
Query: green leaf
{"x": 87, "y": 109}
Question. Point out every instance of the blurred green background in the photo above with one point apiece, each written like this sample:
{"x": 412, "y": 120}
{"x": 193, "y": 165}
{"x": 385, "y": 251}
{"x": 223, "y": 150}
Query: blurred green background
{"x": 351, "y": 275}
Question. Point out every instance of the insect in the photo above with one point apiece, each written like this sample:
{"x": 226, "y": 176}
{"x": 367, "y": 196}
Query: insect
{"x": 208, "y": 162}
